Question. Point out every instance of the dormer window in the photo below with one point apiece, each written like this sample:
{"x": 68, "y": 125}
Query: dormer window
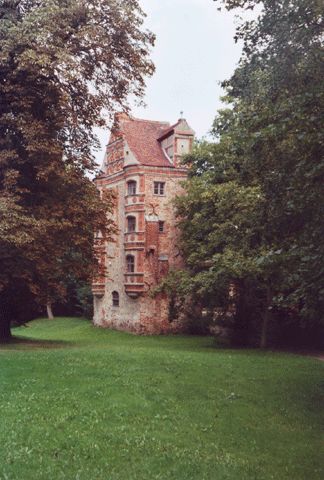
{"x": 159, "y": 188}
{"x": 131, "y": 224}
{"x": 131, "y": 187}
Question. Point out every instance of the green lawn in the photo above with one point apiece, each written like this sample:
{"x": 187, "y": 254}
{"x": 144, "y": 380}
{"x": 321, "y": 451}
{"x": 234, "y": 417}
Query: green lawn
{"x": 80, "y": 403}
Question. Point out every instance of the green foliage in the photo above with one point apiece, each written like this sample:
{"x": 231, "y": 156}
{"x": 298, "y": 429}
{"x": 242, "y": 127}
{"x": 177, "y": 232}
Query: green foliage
{"x": 84, "y": 300}
{"x": 252, "y": 218}
{"x": 278, "y": 99}
{"x": 63, "y": 64}
{"x": 222, "y": 232}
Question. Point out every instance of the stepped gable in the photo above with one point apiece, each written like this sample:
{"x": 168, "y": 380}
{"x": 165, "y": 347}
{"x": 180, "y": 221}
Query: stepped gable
{"x": 142, "y": 137}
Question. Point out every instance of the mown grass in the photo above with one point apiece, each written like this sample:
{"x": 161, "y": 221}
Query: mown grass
{"x": 80, "y": 403}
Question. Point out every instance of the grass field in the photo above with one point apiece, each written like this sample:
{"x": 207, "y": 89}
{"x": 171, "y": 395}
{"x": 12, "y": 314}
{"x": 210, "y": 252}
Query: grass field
{"x": 80, "y": 403}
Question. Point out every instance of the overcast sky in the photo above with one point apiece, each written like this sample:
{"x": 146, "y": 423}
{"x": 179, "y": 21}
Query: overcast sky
{"x": 194, "y": 52}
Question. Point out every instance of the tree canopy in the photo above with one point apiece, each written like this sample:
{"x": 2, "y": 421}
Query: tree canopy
{"x": 253, "y": 214}
{"x": 64, "y": 66}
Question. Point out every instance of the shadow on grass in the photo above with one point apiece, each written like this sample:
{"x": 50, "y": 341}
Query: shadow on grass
{"x": 223, "y": 344}
{"x": 23, "y": 343}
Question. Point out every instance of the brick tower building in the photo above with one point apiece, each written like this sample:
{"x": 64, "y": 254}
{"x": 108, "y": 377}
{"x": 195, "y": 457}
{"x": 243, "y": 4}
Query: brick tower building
{"x": 142, "y": 165}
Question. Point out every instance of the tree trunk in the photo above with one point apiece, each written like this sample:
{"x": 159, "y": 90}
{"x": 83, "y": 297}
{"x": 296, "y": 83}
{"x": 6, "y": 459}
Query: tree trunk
{"x": 5, "y": 331}
{"x": 49, "y": 311}
{"x": 241, "y": 326}
{"x": 266, "y": 320}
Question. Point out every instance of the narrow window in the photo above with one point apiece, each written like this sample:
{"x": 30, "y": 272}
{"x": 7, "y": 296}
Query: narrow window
{"x": 131, "y": 224}
{"x": 130, "y": 261}
{"x": 131, "y": 188}
{"x": 115, "y": 299}
{"x": 159, "y": 188}
{"x": 161, "y": 227}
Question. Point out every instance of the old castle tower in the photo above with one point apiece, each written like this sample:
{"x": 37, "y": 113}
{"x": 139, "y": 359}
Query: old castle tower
{"x": 142, "y": 165}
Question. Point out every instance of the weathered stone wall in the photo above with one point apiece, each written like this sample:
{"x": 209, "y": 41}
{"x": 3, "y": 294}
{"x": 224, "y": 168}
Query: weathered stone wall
{"x": 127, "y": 315}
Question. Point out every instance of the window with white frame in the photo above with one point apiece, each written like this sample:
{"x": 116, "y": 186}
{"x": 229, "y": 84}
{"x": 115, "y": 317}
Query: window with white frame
{"x": 131, "y": 187}
{"x": 159, "y": 188}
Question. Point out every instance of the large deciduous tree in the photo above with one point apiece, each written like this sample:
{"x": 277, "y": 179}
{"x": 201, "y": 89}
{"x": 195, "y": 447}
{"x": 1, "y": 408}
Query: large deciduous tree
{"x": 64, "y": 65}
{"x": 278, "y": 95}
{"x": 253, "y": 214}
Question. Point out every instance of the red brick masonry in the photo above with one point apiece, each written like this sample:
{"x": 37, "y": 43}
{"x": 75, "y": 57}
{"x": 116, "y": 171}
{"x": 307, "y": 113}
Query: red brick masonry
{"x": 149, "y": 154}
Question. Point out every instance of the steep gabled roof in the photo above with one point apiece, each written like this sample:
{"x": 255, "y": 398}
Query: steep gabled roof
{"x": 142, "y": 138}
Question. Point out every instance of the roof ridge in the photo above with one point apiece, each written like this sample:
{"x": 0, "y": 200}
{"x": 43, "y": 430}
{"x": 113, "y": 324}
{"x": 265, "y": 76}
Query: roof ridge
{"x": 174, "y": 125}
{"x": 148, "y": 121}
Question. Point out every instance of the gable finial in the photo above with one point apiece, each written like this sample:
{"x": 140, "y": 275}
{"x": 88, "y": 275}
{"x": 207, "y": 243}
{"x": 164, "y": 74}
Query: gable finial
{"x": 181, "y": 115}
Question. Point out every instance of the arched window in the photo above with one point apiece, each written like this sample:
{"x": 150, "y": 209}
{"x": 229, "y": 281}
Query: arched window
{"x": 131, "y": 224}
{"x": 131, "y": 187}
{"x": 130, "y": 262}
{"x": 115, "y": 299}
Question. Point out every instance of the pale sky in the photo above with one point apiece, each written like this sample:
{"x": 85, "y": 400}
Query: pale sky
{"x": 194, "y": 52}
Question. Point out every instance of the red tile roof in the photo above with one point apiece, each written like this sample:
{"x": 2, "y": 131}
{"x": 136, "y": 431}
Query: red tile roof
{"x": 142, "y": 138}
